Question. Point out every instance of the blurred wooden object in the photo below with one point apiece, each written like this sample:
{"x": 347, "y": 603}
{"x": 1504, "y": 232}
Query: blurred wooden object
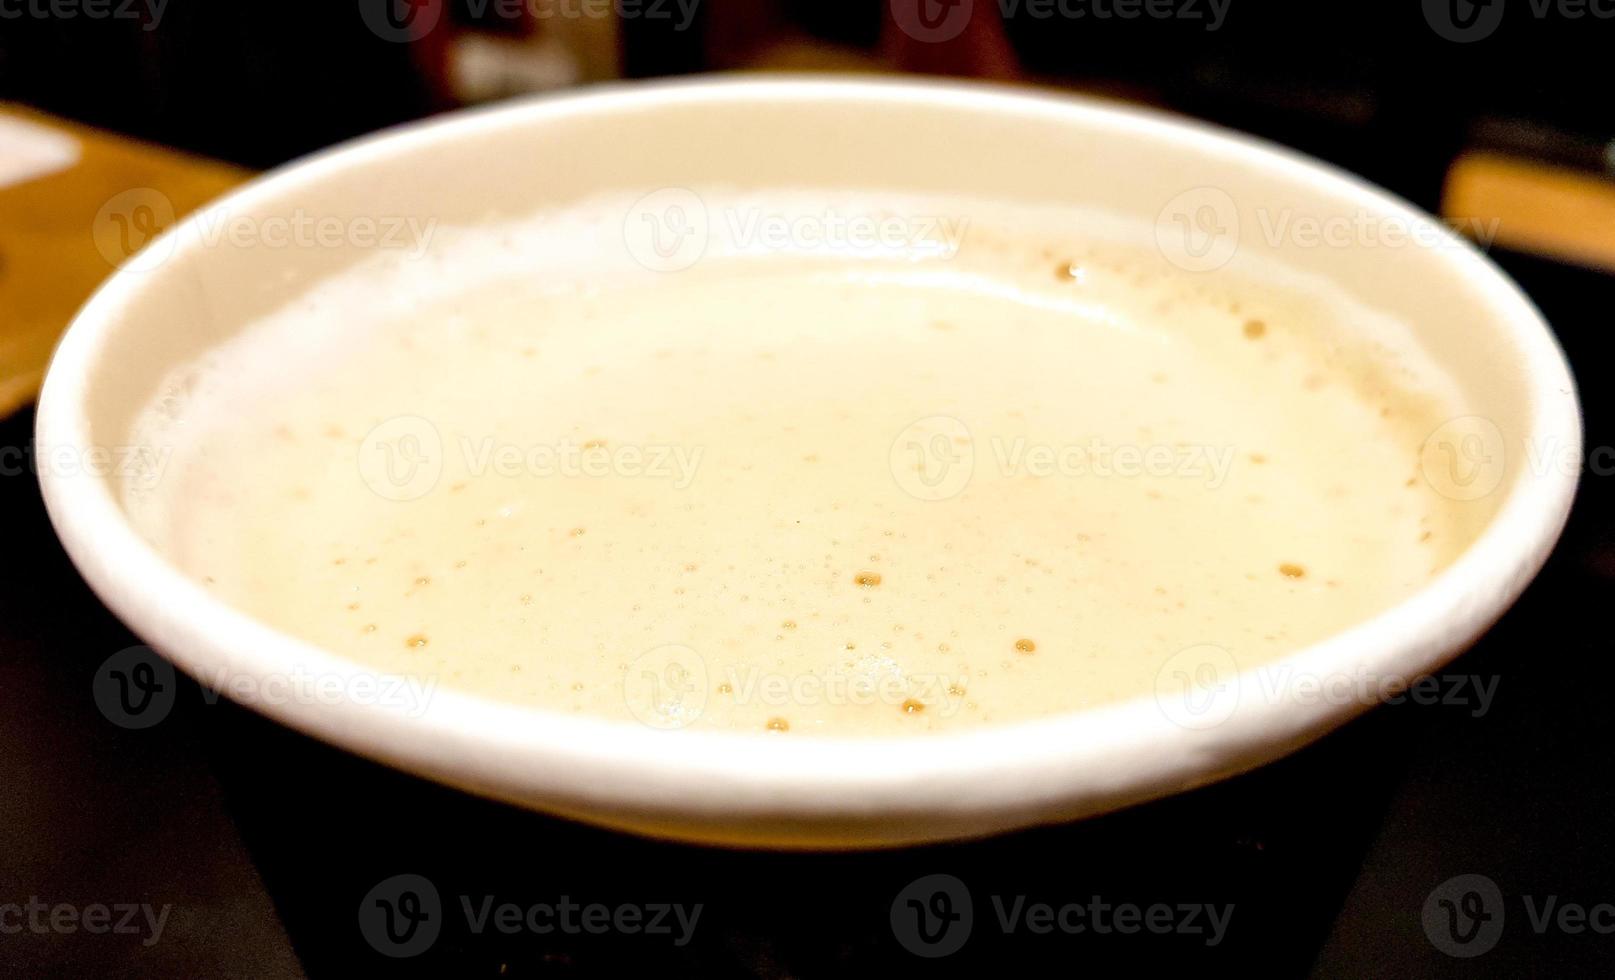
{"x": 1533, "y": 207}
{"x": 806, "y": 54}
{"x": 63, "y": 232}
{"x": 948, "y": 37}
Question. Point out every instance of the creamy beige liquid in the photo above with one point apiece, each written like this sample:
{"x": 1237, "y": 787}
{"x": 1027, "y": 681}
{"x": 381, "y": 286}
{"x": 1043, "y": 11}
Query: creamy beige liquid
{"x": 805, "y": 491}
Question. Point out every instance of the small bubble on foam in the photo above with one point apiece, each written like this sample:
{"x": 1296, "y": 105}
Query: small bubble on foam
{"x": 1025, "y": 646}
{"x": 1291, "y": 570}
{"x": 913, "y": 706}
{"x": 867, "y": 580}
{"x": 1255, "y": 329}
{"x": 778, "y": 725}
{"x": 417, "y": 641}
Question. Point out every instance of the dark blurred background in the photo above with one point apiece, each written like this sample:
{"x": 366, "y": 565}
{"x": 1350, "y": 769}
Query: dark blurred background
{"x": 1391, "y": 91}
{"x": 266, "y": 842}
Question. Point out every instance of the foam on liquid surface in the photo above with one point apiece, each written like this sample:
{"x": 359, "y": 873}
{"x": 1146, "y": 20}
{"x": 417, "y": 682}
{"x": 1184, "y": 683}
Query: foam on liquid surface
{"x": 803, "y": 492}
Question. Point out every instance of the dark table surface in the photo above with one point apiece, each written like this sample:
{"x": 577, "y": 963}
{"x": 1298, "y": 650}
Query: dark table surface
{"x": 262, "y": 845}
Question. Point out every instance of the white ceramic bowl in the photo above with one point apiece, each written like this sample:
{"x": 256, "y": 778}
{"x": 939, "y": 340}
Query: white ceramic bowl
{"x": 187, "y": 294}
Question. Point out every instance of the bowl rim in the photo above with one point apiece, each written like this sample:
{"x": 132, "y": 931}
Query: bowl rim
{"x": 820, "y": 790}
